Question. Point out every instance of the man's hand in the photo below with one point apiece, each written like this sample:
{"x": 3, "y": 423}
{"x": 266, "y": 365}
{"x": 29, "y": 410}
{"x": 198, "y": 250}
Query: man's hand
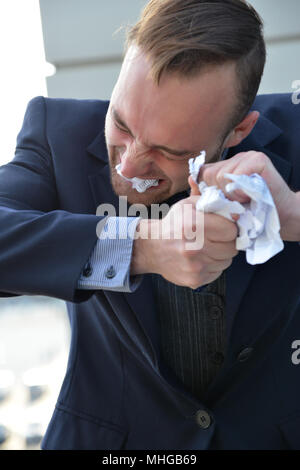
{"x": 169, "y": 255}
{"x": 287, "y": 202}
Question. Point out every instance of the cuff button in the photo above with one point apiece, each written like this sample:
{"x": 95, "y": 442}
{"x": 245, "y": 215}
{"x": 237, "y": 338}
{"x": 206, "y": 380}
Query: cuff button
{"x": 110, "y": 272}
{"x": 87, "y": 271}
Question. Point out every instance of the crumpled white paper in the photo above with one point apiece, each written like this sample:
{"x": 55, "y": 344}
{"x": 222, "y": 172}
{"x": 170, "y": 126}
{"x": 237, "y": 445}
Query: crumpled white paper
{"x": 137, "y": 183}
{"x": 258, "y": 223}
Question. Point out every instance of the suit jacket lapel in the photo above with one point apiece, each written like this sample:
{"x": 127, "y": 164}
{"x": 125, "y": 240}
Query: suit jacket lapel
{"x": 140, "y": 322}
{"x": 240, "y": 273}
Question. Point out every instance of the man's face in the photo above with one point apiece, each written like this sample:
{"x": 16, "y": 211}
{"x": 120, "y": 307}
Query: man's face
{"x": 154, "y": 130}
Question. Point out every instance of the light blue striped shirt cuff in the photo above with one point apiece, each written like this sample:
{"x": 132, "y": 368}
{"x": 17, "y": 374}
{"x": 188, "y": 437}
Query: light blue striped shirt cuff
{"x": 108, "y": 267}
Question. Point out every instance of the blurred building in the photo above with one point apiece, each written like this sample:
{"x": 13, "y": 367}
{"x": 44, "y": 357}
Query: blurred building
{"x": 83, "y": 40}
{"x": 34, "y": 345}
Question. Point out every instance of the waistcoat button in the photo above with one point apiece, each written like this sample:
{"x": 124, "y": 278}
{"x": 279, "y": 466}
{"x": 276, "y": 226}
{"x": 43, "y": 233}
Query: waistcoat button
{"x": 203, "y": 419}
{"x": 244, "y": 354}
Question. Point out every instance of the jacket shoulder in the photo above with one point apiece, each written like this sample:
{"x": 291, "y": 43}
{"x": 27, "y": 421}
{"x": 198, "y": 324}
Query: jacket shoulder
{"x": 280, "y": 108}
{"x": 76, "y": 110}
{"x": 62, "y": 114}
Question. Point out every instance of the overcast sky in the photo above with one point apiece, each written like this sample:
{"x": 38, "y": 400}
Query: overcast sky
{"x": 23, "y": 67}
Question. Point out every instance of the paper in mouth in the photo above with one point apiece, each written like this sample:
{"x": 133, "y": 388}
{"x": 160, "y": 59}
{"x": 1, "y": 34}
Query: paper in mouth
{"x": 138, "y": 184}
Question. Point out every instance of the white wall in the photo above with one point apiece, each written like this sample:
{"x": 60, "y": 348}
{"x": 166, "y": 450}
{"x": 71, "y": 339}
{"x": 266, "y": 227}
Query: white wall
{"x": 80, "y": 41}
{"x": 282, "y": 33}
{"x": 84, "y": 41}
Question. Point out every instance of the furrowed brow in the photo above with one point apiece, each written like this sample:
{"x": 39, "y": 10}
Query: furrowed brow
{"x": 119, "y": 120}
{"x": 179, "y": 153}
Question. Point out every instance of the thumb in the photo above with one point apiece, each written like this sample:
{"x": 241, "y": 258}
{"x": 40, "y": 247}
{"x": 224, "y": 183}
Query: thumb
{"x": 194, "y": 187}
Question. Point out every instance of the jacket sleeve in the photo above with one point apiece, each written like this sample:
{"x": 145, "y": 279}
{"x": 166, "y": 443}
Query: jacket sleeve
{"x": 42, "y": 249}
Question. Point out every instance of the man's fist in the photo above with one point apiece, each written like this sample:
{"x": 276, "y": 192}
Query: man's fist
{"x": 169, "y": 254}
{"x": 247, "y": 163}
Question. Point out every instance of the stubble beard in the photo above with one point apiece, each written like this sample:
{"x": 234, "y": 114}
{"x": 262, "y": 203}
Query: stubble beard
{"x": 124, "y": 188}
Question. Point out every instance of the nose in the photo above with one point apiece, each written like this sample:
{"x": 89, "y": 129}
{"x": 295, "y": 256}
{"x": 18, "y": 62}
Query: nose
{"x": 135, "y": 161}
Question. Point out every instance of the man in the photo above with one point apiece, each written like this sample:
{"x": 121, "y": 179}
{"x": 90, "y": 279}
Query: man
{"x": 171, "y": 348}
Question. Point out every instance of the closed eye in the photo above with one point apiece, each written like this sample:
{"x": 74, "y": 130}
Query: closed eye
{"x": 119, "y": 124}
{"x": 122, "y": 129}
{"x": 178, "y": 158}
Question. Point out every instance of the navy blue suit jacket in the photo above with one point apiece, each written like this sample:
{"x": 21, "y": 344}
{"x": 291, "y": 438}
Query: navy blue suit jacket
{"x": 118, "y": 393}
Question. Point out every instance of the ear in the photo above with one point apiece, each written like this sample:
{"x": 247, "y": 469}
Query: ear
{"x": 242, "y": 130}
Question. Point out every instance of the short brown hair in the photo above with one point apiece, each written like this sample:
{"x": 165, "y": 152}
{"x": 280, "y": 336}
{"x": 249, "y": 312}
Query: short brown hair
{"x": 184, "y": 36}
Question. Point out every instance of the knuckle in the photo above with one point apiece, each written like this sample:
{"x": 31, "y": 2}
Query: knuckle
{"x": 207, "y": 173}
{"x": 188, "y": 258}
{"x": 198, "y": 267}
{"x": 260, "y": 157}
{"x": 232, "y": 231}
{"x": 229, "y": 232}
{"x": 226, "y": 264}
{"x": 183, "y": 253}
{"x": 195, "y": 266}
{"x": 194, "y": 284}
{"x": 219, "y": 177}
{"x": 235, "y": 252}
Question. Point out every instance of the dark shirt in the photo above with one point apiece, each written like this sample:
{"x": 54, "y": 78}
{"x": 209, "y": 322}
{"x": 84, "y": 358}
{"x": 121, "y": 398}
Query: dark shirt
{"x": 192, "y": 330}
